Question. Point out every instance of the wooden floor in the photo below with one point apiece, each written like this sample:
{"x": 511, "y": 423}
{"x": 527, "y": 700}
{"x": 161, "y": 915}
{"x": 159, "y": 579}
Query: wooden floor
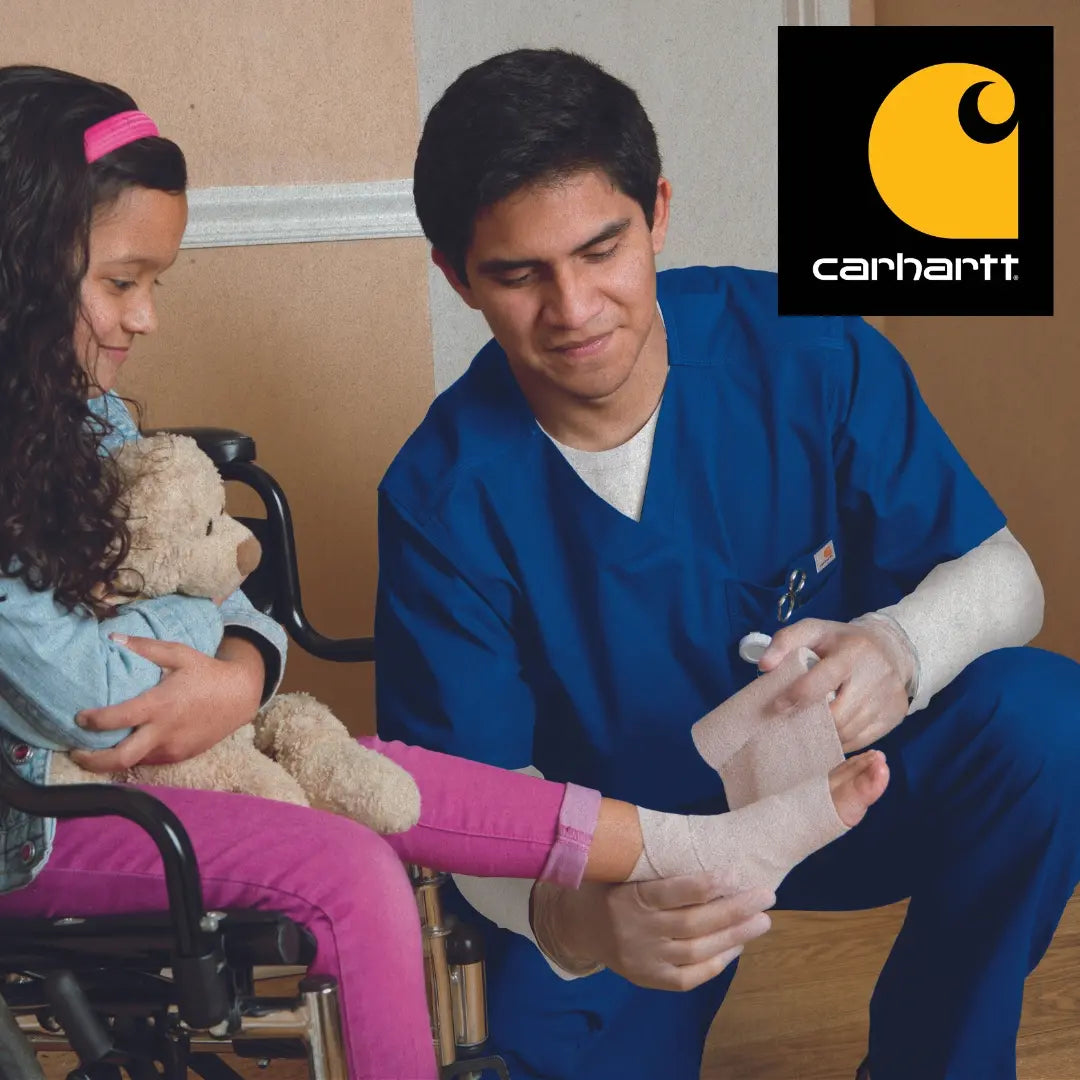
{"x": 797, "y": 1010}
{"x": 786, "y": 1020}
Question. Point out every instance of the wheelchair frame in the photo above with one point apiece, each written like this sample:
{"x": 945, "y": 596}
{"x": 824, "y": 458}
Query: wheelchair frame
{"x": 208, "y": 1007}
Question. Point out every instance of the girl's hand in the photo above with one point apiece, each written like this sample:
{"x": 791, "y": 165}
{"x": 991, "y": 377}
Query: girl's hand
{"x": 199, "y": 701}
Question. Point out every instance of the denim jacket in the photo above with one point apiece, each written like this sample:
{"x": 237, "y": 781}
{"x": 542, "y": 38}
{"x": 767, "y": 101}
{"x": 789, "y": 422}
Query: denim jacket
{"x": 55, "y": 663}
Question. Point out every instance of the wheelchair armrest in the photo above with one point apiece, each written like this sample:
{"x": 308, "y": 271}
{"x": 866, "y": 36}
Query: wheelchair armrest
{"x": 204, "y": 999}
{"x": 289, "y": 609}
{"x": 220, "y": 445}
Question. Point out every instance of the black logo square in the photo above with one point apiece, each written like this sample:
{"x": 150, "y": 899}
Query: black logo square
{"x": 916, "y": 170}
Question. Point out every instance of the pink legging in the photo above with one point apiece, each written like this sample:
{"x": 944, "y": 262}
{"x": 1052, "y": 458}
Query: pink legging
{"x": 338, "y": 878}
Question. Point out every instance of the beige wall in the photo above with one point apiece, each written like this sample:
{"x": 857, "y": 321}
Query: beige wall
{"x": 1007, "y": 389}
{"x": 255, "y": 91}
{"x": 321, "y": 351}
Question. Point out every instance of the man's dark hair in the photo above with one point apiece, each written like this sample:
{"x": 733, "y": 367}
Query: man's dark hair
{"x": 525, "y": 117}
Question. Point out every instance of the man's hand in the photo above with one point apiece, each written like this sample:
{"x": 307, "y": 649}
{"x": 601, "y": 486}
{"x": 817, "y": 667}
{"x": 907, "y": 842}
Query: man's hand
{"x": 199, "y": 701}
{"x": 866, "y": 666}
{"x": 671, "y": 934}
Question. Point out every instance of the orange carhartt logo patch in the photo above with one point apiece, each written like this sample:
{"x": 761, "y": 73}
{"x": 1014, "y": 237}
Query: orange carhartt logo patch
{"x": 824, "y": 555}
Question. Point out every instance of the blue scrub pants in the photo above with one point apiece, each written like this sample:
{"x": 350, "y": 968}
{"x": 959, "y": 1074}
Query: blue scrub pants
{"x": 980, "y": 826}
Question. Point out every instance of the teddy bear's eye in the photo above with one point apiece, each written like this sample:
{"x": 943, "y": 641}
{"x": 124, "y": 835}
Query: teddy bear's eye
{"x": 209, "y": 526}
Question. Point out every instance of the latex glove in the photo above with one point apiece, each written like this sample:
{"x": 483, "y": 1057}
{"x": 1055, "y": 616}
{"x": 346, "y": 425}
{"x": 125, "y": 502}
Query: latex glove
{"x": 671, "y": 934}
{"x": 200, "y": 700}
{"x": 868, "y": 664}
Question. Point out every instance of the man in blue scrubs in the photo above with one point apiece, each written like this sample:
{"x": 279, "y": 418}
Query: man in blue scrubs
{"x": 638, "y": 471}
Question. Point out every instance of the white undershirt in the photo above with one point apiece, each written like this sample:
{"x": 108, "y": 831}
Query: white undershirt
{"x": 618, "y": 475}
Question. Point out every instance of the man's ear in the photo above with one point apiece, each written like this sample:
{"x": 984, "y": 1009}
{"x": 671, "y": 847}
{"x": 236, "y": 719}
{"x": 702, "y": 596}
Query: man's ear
{"x": 451, "y": 275}
{"x": 661, "y": 214}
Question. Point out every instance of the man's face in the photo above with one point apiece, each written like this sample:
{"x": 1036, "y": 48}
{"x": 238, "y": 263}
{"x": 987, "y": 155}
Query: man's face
{"x": 565, "y": 275}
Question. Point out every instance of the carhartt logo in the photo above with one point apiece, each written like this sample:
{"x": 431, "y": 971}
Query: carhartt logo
{"x": 916, "y": 170}
{"x": 944, "y": 153}
{"x": 824, "y": 556}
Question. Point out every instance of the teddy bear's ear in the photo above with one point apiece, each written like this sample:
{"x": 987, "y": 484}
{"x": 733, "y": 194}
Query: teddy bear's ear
{"x": 145, "y": 456}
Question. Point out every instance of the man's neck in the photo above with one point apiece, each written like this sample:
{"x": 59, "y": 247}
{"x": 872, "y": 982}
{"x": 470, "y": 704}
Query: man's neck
{"x": 603, "y": 423}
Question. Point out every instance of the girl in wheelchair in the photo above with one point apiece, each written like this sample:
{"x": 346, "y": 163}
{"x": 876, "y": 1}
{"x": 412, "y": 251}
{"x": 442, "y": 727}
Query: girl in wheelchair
{"x": 92, "y": 210}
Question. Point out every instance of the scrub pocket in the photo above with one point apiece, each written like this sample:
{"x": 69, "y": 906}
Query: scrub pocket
{"x": 802, "y": 591}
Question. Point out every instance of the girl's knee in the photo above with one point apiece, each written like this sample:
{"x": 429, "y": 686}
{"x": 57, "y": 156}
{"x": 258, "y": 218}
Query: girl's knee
{"x": 350, "y": 887}
{"x": 331, "y": 862}
{"x": 352, "y": 854}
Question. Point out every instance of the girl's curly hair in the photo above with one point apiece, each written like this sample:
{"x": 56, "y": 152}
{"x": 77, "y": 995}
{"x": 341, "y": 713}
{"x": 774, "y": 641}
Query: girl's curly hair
{"x": 61, "y": 518}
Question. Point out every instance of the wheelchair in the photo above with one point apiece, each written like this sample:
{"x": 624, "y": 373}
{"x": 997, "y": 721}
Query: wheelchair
{"x": 165, "y": 995}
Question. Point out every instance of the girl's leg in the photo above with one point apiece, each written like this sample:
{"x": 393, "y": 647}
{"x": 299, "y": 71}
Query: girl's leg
{"x": 337, "y": 878}
{"x": 480, "y": 820}
{"x": 489, "y": 822}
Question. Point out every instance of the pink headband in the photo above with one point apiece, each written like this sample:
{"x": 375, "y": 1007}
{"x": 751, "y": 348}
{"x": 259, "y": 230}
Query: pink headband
{"x": 119, "y": 130}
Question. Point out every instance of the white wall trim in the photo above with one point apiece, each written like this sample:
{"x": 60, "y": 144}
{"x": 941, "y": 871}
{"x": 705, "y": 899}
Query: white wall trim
{"x": 817, "y": 12}
{"x": 800, "y": 12}
{"x": 300, "y": 214}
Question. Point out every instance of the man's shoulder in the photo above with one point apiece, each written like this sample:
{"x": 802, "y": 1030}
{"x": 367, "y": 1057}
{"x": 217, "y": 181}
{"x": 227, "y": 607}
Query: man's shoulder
{"x": 723, "y": 287}
{"x": 723, "y": 320}
{"x": 729, "y": 283}
{"x": 468, "y": 430}
{"x": 736, "y": 306}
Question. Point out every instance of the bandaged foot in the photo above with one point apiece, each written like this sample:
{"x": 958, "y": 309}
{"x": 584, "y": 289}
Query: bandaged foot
{"x": 760, "y": 843}
{"x": 758, "y": 753}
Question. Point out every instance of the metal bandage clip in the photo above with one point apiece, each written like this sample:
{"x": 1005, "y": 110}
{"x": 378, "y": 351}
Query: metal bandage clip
{"x": 785, "y": 606}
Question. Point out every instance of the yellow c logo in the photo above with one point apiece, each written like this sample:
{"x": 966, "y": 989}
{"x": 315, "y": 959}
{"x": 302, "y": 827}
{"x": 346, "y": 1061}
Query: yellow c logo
{"x": 944, "y": 152}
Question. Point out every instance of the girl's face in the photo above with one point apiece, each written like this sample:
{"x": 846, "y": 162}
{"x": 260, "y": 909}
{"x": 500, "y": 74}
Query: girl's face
{"x": 132, "y": 242}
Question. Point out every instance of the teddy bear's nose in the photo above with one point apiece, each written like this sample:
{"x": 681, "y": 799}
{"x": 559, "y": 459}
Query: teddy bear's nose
{"x": 248, "y": 555}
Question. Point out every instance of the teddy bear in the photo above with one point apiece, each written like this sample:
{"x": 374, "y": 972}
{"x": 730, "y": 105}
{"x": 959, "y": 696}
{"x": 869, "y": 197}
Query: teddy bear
{"x": 183, "y": 541}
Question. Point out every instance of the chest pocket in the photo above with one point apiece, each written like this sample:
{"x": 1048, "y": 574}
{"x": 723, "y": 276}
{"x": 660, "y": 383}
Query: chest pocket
{"x": 810, "y": 586}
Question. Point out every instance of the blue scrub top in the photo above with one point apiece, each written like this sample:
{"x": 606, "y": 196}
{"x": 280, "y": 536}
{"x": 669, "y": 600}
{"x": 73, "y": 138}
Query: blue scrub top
{"x": 521, "y": 619}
